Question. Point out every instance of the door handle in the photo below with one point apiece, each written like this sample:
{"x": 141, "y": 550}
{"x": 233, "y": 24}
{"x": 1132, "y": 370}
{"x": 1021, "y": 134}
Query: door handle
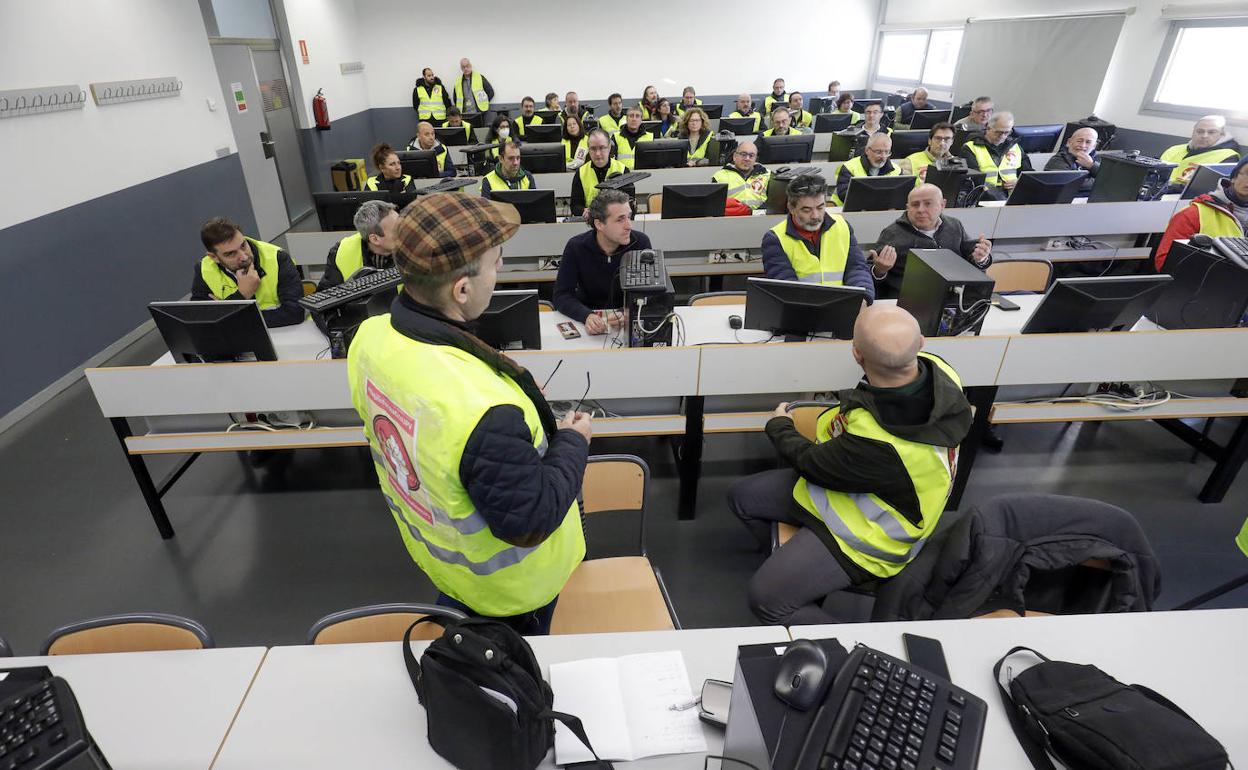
{"x": 266, "y": 144}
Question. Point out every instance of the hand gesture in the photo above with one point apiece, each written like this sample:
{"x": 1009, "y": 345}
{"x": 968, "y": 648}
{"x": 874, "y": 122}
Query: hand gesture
{"x": 1009, "y": 182}
{"x": 579, "y": 422}
{"x": 248, "y": 280}
{"x": 982, "y": 247}
{"x": 884, "y": 259}
{"x": 594, "y": 324}
{"x": 782, "y": 409}
{"x": 1084, "y": 159}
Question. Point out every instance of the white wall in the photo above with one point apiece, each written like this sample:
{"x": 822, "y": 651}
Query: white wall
{"x": 243, "y": 18}
{"x": 56, "y": 160}
{"x": 335, "y": 34}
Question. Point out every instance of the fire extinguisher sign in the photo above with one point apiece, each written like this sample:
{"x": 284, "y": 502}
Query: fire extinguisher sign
{"x": 303, "y": 51}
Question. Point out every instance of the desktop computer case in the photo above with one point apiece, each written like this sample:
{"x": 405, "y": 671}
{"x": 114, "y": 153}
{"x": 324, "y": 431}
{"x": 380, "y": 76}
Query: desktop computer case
{"x": 929, "y": 290}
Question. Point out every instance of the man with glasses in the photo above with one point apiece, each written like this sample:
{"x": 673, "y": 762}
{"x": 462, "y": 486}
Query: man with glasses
{"x": 600, "y": 166}
{"x": 813, "y": 246}
{"x": 981, "y": 110}
{"x": 939, "y": 141}
{"x": 998, "y": 155}
{"x": 1209, "y": 144}
{"x": 873, "y": 162}
{"x": 917, "y": 101}
{"x": 745, "y": 176}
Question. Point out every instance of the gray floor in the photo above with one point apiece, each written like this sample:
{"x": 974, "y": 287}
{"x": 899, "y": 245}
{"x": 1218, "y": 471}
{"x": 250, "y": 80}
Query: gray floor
{"x": 259, "y": 556}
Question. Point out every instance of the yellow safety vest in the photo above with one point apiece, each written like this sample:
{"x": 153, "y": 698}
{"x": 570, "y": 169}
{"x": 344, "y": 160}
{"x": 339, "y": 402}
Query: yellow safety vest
{"x": 1011, "y": 161}
{"x": 871, "y": 532}
{"x": 1187, "y": 163}
{"x": 645, "y": 111}
{"x": 467, "y": 129}
{"x": 772, "y": 132}
{"x": 569, "y": 151}
{"x": 589, "y": 178}
{"x": 854, "y": 117}
{"x": 828, "y": 269}
{"x": 372, "y": 184}
{"x": 350, "y": 255}
{"x": 1216, "y": 223}
{"x": 420, "y": 403}
{"x": 700, "y": 150}
{"x": 802, "y": 118}
{"x": 222, "y": 285}
{"x": 611, "y": 124}
{"x": 758, "y": 119}
{"x": 626, "y": 151}
{"x": 495, "y": 181}
{"x": 432, "y": 105}
{"x": 1242, "y": 539}
{"x": 478, "y": 90}
{"x": 535, "y": 120}
{"x": 855, "y": 167}
{"x": 770, "y": 102}
{"x": 919, "y": 161}
{"x": 681, "y": 108}
{"x": 751, "y": 190}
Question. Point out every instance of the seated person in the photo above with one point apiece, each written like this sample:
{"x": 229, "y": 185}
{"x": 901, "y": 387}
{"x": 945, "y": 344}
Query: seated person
{"x": 425, "y": 139}
{"x": 455, "y": 119}
{"x": 813, "y": 246}
{"x": 371, "y": 245}
{"x": 688, "y": 98}
{"x": 998, "y": 154}
{"x": 982, "y": 109}
{"x": 649, "y": 104}
{"x": 237, "y": 267}
{"x": 872, "y": 487}
{"x": 798, "y": 117}
{"x": 574, "y": 150}
{"x": 745, "y": 109}
{"x": 745, "y": 176}
{"x": 507, "y": 173}
{"x": 591, "y": 261}
{"x": 695, "y": 127}
{"x": 834, "y": 92}
{"x": 390, "y": 176}
{"x": 500, "y": 132}
{"x": 572, "y": 106}
{"x": 1209, "y": 144}
{"x": 874, "y": 161}
{"x": 924, "y": 225}
{"x": 917, "y": 101}
{"x": 614, "y": 119}
{"x": 777, "y": 97}
{"x": 845, "y": 105}
{"x": 873, "y": 120}
{"x": 668, "y": 120}
{"x": 552, "y": 102}
{"x": 939, "y": 140}
{"x": 781, "y": 123}
{"x": 600, "y": 166}
{"x": 1079, "y": 154}
{"x": 629, "y": 135}
{"x": 527, "y": 116}
{"x": 1223, "y": 212}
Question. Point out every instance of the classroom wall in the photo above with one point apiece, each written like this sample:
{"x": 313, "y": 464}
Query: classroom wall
{"x": 334, "y": 33}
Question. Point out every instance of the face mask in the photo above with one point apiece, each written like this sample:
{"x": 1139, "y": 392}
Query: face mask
{"x": 503, "y": 133}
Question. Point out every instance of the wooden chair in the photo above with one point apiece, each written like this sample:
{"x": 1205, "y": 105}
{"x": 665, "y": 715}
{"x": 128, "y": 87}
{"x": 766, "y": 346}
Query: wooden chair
{"x": 129, "y": 632}
{"x": 621, "y": 593}
{"x": 545, "y": 306}
{"x": 1021, "y": 275}
{"x": 654, "y": 204}
{"x": 805, "y": 416}
{"x": 379, "y": 623}
{"x": 717, "y": 298}
{"x": 5, "y": 650}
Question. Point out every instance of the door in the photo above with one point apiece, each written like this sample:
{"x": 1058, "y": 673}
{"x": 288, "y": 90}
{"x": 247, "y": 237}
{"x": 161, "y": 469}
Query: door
{"x": 279, "y": 116}
{"x": 235, "y": 70}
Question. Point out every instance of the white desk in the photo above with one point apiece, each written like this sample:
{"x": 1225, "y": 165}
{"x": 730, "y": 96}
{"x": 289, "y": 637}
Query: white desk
{"x": 158, "y": 710}
{"x": 352, "y": 705}
{"x": 1193, "y": 658}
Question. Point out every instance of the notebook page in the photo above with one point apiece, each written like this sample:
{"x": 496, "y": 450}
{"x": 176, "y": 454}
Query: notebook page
{"x": 652, "y": 683}
{"x": 590, "y": 689}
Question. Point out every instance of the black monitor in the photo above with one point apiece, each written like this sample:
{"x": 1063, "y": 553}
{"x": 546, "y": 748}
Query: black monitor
{"x": 511, "y": 322}
{"x": 336, "y": 210}
{"x": 1111, "y": 303}
{"x": 738, "y": 126}
{"x": 543, "y": 158}
{"x": 474, "y": 119}
{"x": 543, "y": 132}
{"x": 961, "y": 136}
{"x": 907, "y": 142}
{"x": 419, "y": 164}
{"x": 791, "y": 148}
{"x": 682, "y": 201}
{"x": 533, "y": 205}
{"x": 661, "y": 153}
{"x": 846, "y": 144}
{"x": 713, "y": 110}
{"x": 819, "y": 104}
{"x": 651, "y": 127}
{"x": 208, "y": 332}
{"x": 878, "y": 193}
{"x": 1043, "y": 187}
{"x": 959, "y": 111}
{"x": 1038, "y": 138}
{"x": 925, "y": 119}
{"x": 831, "y": 122}
{"x": 451, "y": 136}
{"x": 547, "y": 116}
{"x": 1206, "y": 179}
{"x": 861, "y": 105}
{"x": 954, "y": 184}
{"x": 801, "y": 309}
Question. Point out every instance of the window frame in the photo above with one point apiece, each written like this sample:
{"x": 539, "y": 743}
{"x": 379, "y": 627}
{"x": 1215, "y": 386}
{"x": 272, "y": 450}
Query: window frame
{"x": 1151, "y": 106}
{"x": 927, "y": 48}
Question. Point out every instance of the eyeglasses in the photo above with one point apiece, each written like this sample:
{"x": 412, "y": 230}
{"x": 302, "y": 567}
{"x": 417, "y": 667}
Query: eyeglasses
{"x": 747, "y": 154}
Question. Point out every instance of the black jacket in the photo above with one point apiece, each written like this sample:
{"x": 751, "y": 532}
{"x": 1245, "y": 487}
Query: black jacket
{"x": 523, "y": 495}
{"x": 932, "y": 410}
{"x": 289, "y": 289}
{"x": 903, "y": 237}
{"x": 1020, "y": 552}
{"x": 446, "y": 93}
{"x": 1063, "y": 160}
{"x": 586, "y": 280}
{"x": 333, "y": 274}
{"x": 843, "y": 176}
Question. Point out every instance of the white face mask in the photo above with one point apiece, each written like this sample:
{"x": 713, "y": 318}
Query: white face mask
{"x": 503, "y": 133}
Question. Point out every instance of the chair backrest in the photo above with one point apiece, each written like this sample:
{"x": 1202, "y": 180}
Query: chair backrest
{"x": 379, "y": 623}
{"x": 5, "y": 650}
{"x": 1021, "y": 275}
{"x": 129, "y": 632}
{"x": 805, "y": 416}
{"x": 717, "y": 298}
{"x": 545, "y": 306}
{"x": 309, "y": 287}
{"x": 654, "y": 204}
{"x": 617, "y": 483}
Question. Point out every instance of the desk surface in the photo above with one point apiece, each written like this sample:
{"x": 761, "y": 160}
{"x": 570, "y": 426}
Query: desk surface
{"x": 158, "y": 710}
{"x": 1193, "y": 658}
{"x": 352, "y": 705}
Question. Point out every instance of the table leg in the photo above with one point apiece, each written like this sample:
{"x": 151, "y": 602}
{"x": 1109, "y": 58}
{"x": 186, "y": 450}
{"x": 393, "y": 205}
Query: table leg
{"x": 981, "y": 398}
{"x": 121, "y": 426}
{"x": 1228, "y": 465}
{"x": 689, "y": 461}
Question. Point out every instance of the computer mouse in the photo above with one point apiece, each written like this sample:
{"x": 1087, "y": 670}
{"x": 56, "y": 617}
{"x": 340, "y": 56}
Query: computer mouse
{"x": 647, "y": 257}
{"x": 803, "y": 676}
{"x": 735, "y": 322}
{"x": 1201, "y": 241}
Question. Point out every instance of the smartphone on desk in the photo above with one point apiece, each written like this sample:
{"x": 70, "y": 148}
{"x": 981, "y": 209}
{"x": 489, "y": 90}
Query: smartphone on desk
{"x": 568, "y": 330}
{"x": 1003, "y": 303}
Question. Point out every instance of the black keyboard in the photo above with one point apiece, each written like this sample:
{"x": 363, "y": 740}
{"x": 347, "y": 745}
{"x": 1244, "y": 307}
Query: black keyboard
{"x": 623, "y": 180}
{"x": 349, "y": 291}
{"x": 1234, "y": 249}
{"x": 41, "y": 727}
{"x": 882, "y": 713}
{"x": 643, "y": 271}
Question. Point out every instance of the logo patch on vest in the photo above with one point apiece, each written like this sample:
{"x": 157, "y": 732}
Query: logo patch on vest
{"x": 758, "y": 184}
{"x": 838, "y": 425}
{"x": 395, "y": 431}
{"x": 1013, "y": 156}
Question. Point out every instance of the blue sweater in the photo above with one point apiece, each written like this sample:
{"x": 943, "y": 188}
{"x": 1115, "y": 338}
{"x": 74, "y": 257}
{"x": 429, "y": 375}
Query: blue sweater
{"x": 586, "y": 279}
{"x": 776, "y": 263}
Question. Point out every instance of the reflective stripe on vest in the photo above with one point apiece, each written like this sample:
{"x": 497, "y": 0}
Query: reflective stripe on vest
{"x": 700, "y": 150}
{"x": 1216, "y": 223}
{"x": 478, "y": 91}
{"x": 1187, "y": 163}
{"x": 441, "y": 157}
{"x": 996, "y": 176}
{"x": 589, "y": 179}
{"x": 828, "y": 269}
{"x": 371, "y": 184}
{"x": 626, "y": 151}
{"x": 431, "y": 103}
{"x": 1241, "y": 540}
{"x": 493, "y": 181}
{"x": 751, "y": 190}
{"x": 855, "y": 168}
{"x": 222, "y": 285}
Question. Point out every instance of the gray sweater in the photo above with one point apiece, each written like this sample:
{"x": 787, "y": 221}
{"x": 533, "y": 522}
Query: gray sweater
{"x": 903, "y": 237}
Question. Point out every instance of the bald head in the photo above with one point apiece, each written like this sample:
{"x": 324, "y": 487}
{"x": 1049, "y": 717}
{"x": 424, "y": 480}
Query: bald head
{"x": 887, "y": 342}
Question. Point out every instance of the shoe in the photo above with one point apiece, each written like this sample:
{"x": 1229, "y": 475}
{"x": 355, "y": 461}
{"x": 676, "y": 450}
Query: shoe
{"x": 991, "y": 441}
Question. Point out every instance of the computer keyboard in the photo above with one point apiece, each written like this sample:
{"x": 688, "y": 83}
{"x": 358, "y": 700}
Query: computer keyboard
{"x": 41, "y": 727}
{"x": 643, "y": 271}
{"x": 882, "y": 713}
{"x": 1234, "y": 249}
{"x": 349, "y": 291}
{"x": 623, "y": 180}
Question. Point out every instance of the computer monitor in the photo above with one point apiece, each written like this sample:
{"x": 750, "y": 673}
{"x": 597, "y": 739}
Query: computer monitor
{"x": 336, "y": 210}
{"x": 451, "y": 136}
{"x": 548, "y": 116}
{"x": 792, "y": 148}
{"x": 907, "y": 142}
{"x": 1038, "y": 138}
{"x": 208, "y": 332}
{"x": 831, "y": 122}
{"x": 542, "y": 158}
{"x": 846, "y": 144}
{"x": 878, "y": 193}
{"x": 419, "y": 164}
{"x": 961, "y": 136}
{"x": 860, "y": 105}
{"x": 541, "y": 133}
{"x": 713, "y": 110}
{"x": 661, "y": 153}
{"x": 925, "y": 119}
{"x": 651, "y": 127}
{"x": 682, "y": 201}
{"x": 801, "y": 309}
{"x": 1111, "y": 303}
{"x": 534, "y": 205}
{"x": 1045, "y": 187}
{"x": 474, "y": 119}
{"x": 1206, "y": 179}
{"x": 511, "y": 322}
{"x": 959, "y": 111}
{"x": 738, "y": 126}
{"x": 818, "y": 104}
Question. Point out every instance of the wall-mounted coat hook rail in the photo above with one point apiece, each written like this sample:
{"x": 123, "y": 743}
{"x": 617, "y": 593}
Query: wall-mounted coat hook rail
{"x": 119, "y": 91}
{"x": 351, "y": 67}
{"x": 36, "y": 101}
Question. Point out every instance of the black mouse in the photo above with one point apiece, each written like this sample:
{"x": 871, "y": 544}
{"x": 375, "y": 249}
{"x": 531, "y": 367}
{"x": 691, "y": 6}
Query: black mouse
{"x": 803, "y": 675}
{"x": 1201, "y": 241}
{"x": 735, "y": 322}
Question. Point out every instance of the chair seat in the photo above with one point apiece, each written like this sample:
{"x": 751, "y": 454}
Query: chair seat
{"x": 784, "y": 532}
{"x": 609, "y": 595}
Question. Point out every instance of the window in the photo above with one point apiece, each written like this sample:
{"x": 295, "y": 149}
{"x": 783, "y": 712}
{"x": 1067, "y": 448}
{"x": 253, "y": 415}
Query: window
{"x": 914, "y": 57}
{"x": 1187, "y": 82}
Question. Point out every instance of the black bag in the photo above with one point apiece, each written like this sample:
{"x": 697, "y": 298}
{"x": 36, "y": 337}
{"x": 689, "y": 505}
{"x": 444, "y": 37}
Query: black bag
{"x": 1089, "y": 720}
{"x": 467, "y": 681}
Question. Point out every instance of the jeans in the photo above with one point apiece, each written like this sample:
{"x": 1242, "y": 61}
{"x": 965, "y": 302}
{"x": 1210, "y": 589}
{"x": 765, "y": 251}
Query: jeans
{"x": 533, "y": 623}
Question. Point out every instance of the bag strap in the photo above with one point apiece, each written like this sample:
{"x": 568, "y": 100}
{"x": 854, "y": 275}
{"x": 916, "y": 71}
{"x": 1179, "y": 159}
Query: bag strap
{"x": 1038, "y": 754}
{"x": 413, "y": 667}
{"x": 573, "y": 723}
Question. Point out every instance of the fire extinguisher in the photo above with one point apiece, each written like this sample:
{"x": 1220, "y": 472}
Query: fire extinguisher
{"x": 320, "y": 111}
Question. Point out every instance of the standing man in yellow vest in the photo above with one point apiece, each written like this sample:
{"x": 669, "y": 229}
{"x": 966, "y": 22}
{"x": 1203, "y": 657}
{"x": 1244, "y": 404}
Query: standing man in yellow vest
{"x": 629, "y": 135}
{"x": 811, "y": 245}
{"x": 481, "y": 479}
{"x": 1221, "y": 213}
{"x": 371, "y": 245}
{"x": 1210, "y": 144}
{"x": 601, "y": 166}
{"x": 473, "y": 93}
{"x": 939, "y": 141}
{"x": 745, "y": 176}
{"x": 237, "y": 267}
{"x": 998, "y": 154}
{"x": 874, "y": 161}
{"x": 430, "y": 98}
{"x": 869, "y": 491}
{"x": 776, "y": 98}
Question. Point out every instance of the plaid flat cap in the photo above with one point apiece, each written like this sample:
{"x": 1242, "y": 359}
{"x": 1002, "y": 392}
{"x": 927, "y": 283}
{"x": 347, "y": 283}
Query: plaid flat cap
{"x": 443, "y": 232}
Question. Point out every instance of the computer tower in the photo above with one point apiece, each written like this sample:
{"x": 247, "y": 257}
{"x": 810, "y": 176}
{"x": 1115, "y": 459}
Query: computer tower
{"x": 1208, "y": 291}
{"x": 946, "y": 294}
{"x": 1127, "y": 177}
{"x": 647, "y": 314}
